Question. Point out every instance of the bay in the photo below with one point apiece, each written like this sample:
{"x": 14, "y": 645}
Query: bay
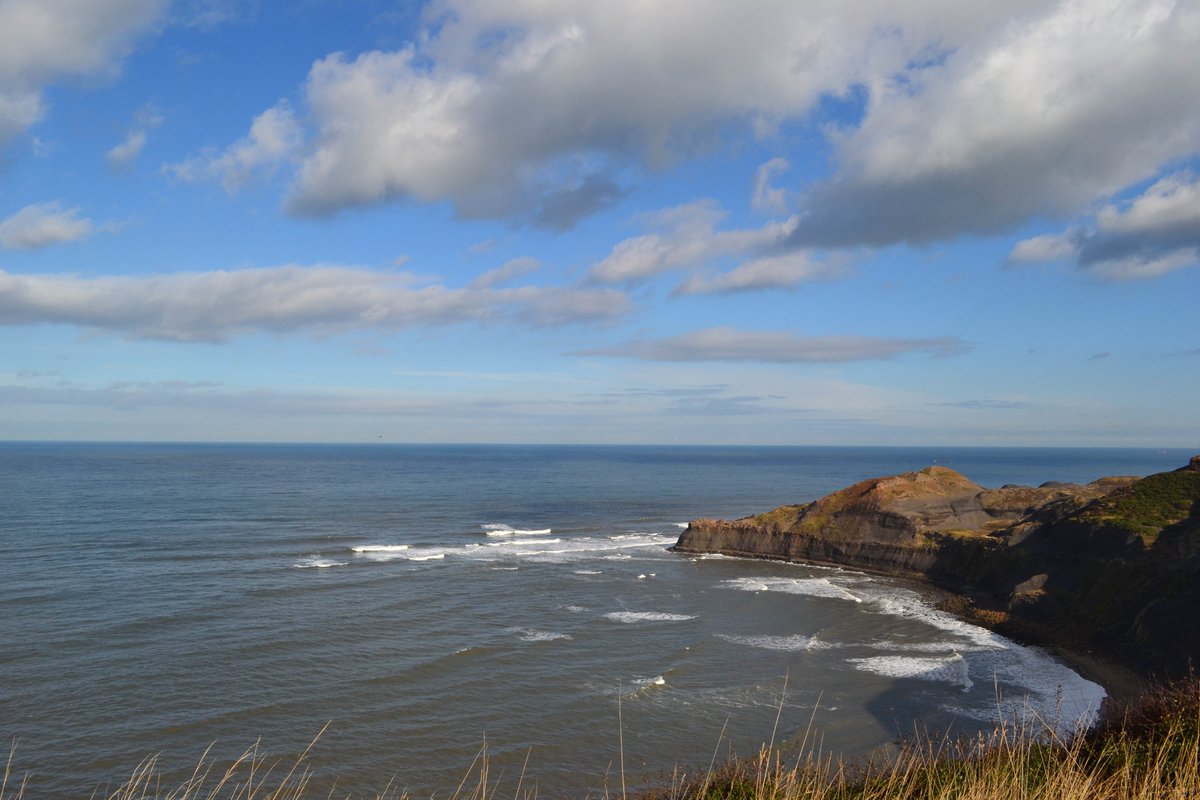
{"x": 426, "y": 601}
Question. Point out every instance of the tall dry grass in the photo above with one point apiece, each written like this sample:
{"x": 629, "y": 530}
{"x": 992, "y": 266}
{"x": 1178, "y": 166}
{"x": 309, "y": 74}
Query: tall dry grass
{"x": 1151, "y": 751}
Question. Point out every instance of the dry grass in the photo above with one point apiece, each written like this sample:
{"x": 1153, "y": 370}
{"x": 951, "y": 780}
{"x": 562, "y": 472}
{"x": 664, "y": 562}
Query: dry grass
{"x": 1150, "y": 752}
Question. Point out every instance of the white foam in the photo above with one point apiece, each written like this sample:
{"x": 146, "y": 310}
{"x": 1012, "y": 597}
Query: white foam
{"x": 427, "y": 557}
{"x": 588, "y": 572}
{"x": 1036, "y": 686}
{"x": 496, "y": 529}
{"x": 809, "y": 587}
{"x": 631, "y": 617}
{"x": 380, "y": 548}
{"x": 574, "y": 609}
{"x": 681, "y": 524}
{"x": 797, "y": 643}
{"x": 317, "y": 562}
{"x": 532, "y": 635}
{"x": 951, "y": 669}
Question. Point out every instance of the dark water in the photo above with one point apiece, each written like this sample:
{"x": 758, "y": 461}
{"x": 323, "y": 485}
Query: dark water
{"x": 426, "y": 600}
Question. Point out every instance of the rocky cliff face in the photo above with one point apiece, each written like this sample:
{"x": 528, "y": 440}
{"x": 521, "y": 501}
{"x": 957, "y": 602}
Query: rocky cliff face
{"x": 1116, "y": 562}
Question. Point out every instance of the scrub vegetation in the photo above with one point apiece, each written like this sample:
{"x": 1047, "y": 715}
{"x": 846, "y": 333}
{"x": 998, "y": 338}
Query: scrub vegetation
{"x": 1149, "y": 751}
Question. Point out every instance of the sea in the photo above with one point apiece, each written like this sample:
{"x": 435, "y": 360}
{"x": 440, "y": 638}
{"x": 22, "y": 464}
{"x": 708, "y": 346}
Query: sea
{"x": 415, "y": 608}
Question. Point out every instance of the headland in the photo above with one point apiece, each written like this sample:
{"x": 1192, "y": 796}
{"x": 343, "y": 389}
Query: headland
{"x": 1105, "y": 573}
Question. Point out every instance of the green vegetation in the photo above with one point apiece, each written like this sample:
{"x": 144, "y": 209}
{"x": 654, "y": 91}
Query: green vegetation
{"x": 1150, "y": 751}
{"x": 1149, "y": 505}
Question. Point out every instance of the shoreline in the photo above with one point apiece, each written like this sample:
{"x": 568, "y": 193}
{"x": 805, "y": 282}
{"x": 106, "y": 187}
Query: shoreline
{"x": 1122, "y": 684}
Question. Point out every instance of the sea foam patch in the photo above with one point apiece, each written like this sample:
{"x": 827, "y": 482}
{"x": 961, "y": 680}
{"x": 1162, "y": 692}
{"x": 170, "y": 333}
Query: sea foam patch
{"x": 1023, "y": 684}
{"x": 809, "y": 587}
{"x": 952, "y": 669}
{"x": 500, "y": 529}
{"x": 632, "y": 617}
{"x": 534, "y": 635}
{"x": 797, "y": 643}
{"x": 319, "y": 562}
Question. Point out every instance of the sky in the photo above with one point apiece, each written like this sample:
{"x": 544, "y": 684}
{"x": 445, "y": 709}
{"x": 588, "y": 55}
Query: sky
{"x": 634, "y": 221}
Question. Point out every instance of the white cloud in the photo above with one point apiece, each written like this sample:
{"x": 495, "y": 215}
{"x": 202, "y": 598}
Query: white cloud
{"x": 687, "y": 238}
{"x": 42, "y": 41}
{"x": 1049, "y": 247}
{"x": 122, "y": 155}
{"x": 1041, "y": 116}
{"x": 43, "y": 224}
{"x": 730, "y": 344}
{"x": 768, "y": 198}
{"x": 215, "y": 306}
{"x": 785, "y": 271}
{"x": 1154, "y": 233}
{"x": 545, "y": 112}
{"x": 275, "y": 136}
{"x": 513, "y": 268}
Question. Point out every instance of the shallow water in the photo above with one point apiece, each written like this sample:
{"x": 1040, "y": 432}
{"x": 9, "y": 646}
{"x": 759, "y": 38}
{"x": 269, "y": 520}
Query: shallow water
{"x": 426, "y": 600}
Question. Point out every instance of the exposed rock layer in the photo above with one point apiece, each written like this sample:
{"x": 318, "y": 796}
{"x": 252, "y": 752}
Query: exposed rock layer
{"x": 1113, "y": 564}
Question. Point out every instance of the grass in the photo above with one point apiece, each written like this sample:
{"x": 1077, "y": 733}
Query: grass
{"x": 1149, "y": 505}
{"x": 1149, "y": 752}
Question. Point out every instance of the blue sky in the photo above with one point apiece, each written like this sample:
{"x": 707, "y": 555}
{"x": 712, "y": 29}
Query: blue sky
{"x": 768, "y": 222}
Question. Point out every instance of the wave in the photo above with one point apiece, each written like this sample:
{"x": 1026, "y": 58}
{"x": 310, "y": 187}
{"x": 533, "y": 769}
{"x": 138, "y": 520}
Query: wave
{"x": 950, "y": 669}
{"x": 809, "y": 587}
{"x": 499, "y": 529}
{"x": 1036, "y": 686}
{"x": 631, "y": 617}
{"x": 317, "y": 562}
{"x": 797, "y": 643}
{"x": 380, "y": 548}
{"x": 533, "y": 635}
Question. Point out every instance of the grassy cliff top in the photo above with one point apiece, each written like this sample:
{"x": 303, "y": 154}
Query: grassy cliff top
{"x": 1149, "y": 505}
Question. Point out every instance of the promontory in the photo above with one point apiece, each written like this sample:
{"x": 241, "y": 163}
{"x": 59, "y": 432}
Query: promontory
{"x": 1111, "y": 566}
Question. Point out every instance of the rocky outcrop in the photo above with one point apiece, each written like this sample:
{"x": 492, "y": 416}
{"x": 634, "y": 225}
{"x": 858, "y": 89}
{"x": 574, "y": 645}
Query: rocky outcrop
{"x": 1113, "y": 564}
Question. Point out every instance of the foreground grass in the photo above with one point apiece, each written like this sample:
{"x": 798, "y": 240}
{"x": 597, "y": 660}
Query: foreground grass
{"x": 1151, "y": 751}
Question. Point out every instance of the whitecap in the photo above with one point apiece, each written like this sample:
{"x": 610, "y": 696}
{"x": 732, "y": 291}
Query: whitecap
{"x": 316, "y": 562}
{"x": 797, "y": 643}
{"x": 533, "y": 635}
{"x": 380, "y": 548}
{"x": 499, "y": 529}
{"x": 630, "y": 617}
{"x": 948, "y": 669}
{"x": 809, "y": 587}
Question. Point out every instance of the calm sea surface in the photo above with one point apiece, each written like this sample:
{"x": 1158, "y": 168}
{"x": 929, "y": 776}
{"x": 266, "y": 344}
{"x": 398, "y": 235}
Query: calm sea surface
{"x": 426, "y": 600}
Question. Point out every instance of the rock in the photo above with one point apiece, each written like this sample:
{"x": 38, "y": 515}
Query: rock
{"x": 1124, "y": 552}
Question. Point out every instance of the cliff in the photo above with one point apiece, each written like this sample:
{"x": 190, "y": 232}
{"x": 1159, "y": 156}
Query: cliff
{"x": 1112, "y": 565}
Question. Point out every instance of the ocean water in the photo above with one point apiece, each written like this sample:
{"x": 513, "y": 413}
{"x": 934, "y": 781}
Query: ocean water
{"x": 424, "y": 602}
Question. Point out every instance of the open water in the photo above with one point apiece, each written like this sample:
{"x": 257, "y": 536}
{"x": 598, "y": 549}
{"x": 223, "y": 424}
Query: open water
{"x": 427, "y": 600}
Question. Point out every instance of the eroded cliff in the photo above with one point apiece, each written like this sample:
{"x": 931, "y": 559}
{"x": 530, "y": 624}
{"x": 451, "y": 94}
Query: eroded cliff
{"x": 1113, "y": 564}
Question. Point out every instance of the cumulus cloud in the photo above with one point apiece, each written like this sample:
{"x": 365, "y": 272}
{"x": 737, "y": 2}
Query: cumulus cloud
{"x": 1067, "y": 104}
{"x": 768, "y": 198}
{"x": 274, "y": 137}
{"x": 785, "y": 271}
{"x": 513, "y": 268}
{"x": 122, "y": 155}
{"x": 545, "y": 112}
{"x": 41, "y": 225}
{"x": 686, "y": 238}
{"x": 216, "y": 306}
{"x": 1154, "y": 233}
{"x": 42, "y": 41}
{"x": 730, "y": 344}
